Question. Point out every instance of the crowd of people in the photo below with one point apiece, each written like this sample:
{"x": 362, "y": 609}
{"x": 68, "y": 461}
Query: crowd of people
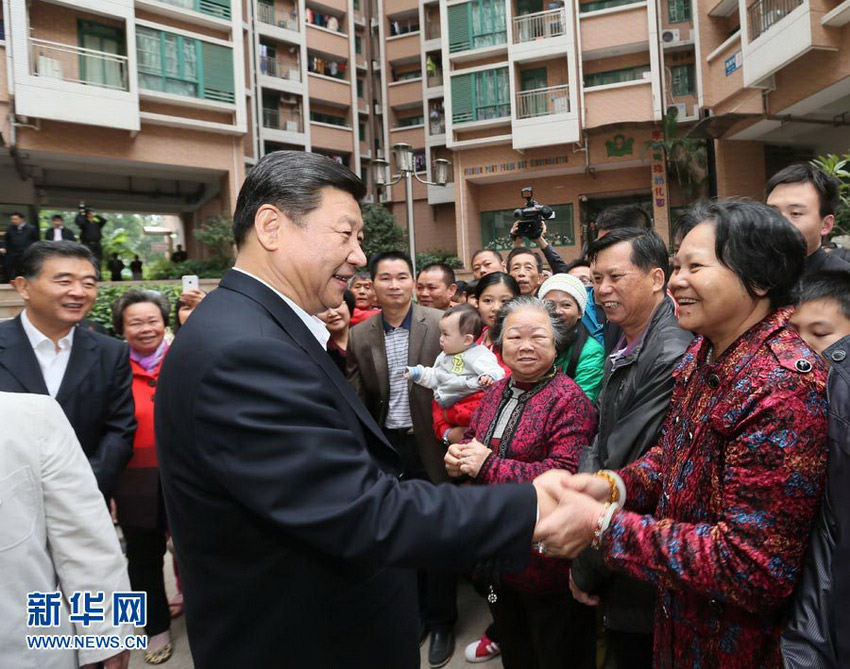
{"x": 682, "y": 423}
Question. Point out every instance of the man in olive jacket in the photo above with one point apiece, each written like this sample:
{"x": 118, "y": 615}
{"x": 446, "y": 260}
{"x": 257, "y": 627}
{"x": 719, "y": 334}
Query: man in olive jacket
{"x": 630, "y": 271}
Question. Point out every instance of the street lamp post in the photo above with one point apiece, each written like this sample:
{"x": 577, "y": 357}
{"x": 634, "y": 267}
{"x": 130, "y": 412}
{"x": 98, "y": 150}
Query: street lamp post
{"x": 404, "y": 163}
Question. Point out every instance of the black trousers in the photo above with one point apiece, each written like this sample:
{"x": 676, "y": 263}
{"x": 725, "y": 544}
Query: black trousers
{"x": 145, "y": 551}
{"x": 629, "y": 650}
{"x": 544, "y": 631}
{"x": 437, "y": 589}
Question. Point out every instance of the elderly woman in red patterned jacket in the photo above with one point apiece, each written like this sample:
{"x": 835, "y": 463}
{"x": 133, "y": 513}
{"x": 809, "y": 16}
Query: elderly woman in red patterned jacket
{"x": 534, "y": 421}
{"x": 718, "y": 513}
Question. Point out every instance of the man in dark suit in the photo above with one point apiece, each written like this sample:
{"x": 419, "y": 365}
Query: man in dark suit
{"x": 43, "y": 351}
{"x": 19, "y": 236}
{"x": 59, "y": 232}
{"x": 379, "y": 349}
{"x": 290, "y": 524}
{"x": 91, "y": 232}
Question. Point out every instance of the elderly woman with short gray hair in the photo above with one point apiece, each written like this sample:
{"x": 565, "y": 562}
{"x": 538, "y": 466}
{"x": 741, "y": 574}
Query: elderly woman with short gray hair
{"x": 536, "y": 420}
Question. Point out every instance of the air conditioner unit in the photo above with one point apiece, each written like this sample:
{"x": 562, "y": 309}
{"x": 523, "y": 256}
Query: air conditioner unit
{"x": 379, "y": 109}
{"x": 374, "y": 22}
{"x": 292, "y": 126}
{"x": 670, "y": 36}
{"x": 376, "y": 65}
{"x": 368, "y": 199}
{"x": 678, "y": 110}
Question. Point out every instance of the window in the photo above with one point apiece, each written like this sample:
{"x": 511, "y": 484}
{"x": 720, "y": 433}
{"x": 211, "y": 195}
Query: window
{"x": 360, "y": 85}
{"x": 615, "y": 76}
{"x": 410, "y": 121}
{"x": 361, "y": 130}
{"x": 102, "y": 69}
{"x": 477, "y": 24}
{"x": 480, "y": 96}
{"x": 356, "y": 5}
{"x": 496, "y": 227}
{"x": 358, "y": 44}
{"x": 585, "y": 7}
{"x": 404, "y": 76}
{"x": 184, "y": 66}
{"x": 683, "y": 80}
{"x": 678, "y": 11}
{"x": 319, "y": 117}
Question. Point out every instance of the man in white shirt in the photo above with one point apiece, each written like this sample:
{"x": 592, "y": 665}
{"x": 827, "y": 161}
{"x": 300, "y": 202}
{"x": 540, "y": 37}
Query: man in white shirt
{"x": 55, "y": 536}
{"x": 42, "y": 351}
{"x": 59, "y": 232}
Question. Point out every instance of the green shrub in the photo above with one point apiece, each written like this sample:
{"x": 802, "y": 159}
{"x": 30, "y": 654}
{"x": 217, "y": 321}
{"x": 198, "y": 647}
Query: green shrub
{"x": 205, "y": 269}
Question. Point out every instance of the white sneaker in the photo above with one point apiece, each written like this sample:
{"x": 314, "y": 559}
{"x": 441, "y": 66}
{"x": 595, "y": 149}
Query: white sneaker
{"x": 482, "y": 650}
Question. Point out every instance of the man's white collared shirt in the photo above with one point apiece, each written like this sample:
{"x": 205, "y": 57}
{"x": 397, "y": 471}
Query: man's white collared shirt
{"x": 53, "y": 363}
{"x": 316, "y": 326}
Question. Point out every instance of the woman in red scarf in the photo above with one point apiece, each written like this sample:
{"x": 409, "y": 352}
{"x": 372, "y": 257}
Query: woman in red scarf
{"x": 141, "y": 316}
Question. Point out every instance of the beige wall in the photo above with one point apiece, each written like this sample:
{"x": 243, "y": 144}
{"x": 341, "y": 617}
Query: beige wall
{"x": 607, "y": 31}
{"x": 740, "y": 169}
{"x": 616, "y": 105}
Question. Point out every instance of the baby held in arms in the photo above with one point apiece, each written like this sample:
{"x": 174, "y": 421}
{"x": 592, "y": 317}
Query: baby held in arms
{"x": 464, "y": 367}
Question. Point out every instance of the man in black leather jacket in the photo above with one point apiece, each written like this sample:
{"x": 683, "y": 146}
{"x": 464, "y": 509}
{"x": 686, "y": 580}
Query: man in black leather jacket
{"x": 818, "y": 631}
{"x": 630, "y": 272}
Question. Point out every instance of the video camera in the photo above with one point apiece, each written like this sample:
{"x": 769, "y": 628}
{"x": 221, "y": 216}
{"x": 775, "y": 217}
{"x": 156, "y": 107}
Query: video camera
{"x": 532, "y": 215}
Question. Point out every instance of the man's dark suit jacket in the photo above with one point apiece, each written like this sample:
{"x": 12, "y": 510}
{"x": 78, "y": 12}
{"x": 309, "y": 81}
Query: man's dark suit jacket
{"x": 367, "y": 371}
{"x": 289, "y": 521}
{"x": 95, "y": 394}
{"x": 17, "y": 241}
{"x": 67, "y": 234}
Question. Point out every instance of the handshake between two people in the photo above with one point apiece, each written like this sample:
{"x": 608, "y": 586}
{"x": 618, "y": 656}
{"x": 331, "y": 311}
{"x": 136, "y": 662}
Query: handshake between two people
{"x": 574, "y": 511}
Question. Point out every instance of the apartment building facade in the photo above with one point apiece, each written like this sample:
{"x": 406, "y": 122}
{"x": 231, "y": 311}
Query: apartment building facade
{"x": 162, "y": 105}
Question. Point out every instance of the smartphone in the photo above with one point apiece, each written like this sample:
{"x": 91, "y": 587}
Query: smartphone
{"x": 190, "y": 282}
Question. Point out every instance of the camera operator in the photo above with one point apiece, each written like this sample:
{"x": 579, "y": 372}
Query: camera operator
{"x": 91, "y": 226}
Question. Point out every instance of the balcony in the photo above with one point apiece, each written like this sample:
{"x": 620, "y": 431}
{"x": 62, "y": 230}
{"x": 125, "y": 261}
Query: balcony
{"x": 78, "y": 65}
{"x": 544, "y": 113}
{"x": 779, "y": 32}
{"x": 272, "y": 67}
{"x": 280, "y": 18}
{"x": 65, "y": 82}
{"x": 403, "y": 47}
{"x": 614, "y": 32}
{"x": 331, "y": 138}
{"x": 284, "y": 126}
{"x": 540, "y": 25}
{"x": 618, "y": 103}
{"x": 543, "y": 101}
{"x": 404, "y": 93}
{"x": 762, "y": 15}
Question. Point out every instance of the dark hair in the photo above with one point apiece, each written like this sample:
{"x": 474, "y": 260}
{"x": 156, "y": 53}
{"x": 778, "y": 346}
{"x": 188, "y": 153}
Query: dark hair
{"x": 825, "y": 285}
{"x": 758, "y": 244}
{"x": 579, "y": 262}
{"x": 826, "y": 185}
{"x": 55, "y": 216}
{"x": 623, "y": 216}
{"x": 16, "y": 213}
{"x": 448, "y": 272}
{"x": 470, "y": 320}
{"x": 348, "y": 298}
{"x": 292, "y": 181}
{"x": 33, "y": 258}
{"x": 137, "y": 297}
{"x": 648, "y": 249}
{"x": 388, "y": 255}
{"x": 470, "y": 287}
{"x": 493, "y": 251}
{"x": 524, "y": 250}
{"x": 495, "y": 278}
{"x": 686, "y": 222}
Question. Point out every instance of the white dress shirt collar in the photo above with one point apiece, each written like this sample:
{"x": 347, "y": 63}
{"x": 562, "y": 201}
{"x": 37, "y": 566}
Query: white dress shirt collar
{"x": 317, "y": 327}
{"x": 52, "y": 363}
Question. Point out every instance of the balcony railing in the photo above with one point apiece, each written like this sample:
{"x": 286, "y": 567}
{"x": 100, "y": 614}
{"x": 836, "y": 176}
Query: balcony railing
{"x": 78, "y": 65}
{"x": 268, "y": 14}
{"x": 543, "y": 101}
{"x": 539, "y": 25}
{"x": 274, "y": 68}
{"x": 220, "y": 10}
{"x": 275, "y": 119}
{"x": 763, "y": 14}
{"x": 435, "y": 79}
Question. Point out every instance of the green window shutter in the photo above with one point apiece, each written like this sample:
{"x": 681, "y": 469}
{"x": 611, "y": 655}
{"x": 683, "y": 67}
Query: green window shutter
{"x": 463, "y": 92}
{"x": 218, "y": 73}
{"x": 218, "y": 8}
{"x": 459, "y": 28}
{"x": 683, "y": 80}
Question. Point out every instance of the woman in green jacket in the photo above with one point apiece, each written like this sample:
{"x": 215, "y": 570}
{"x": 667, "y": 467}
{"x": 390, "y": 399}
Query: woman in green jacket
{"x": 584, "y": 359}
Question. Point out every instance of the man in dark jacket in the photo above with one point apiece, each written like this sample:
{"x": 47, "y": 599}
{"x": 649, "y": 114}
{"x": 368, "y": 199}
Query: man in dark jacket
{"x": 816, "y": 635}
{"x": 43, "y": 351}
{"x": 19, "y": 236}
{"x": 91, "y": 232}
{"x": 630, "y": 272}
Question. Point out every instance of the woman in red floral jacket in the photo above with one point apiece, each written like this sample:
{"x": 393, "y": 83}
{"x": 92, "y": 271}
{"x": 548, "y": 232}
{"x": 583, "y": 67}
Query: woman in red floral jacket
{"x": 718, "y": 513}
{"x": 536, "y": 420}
